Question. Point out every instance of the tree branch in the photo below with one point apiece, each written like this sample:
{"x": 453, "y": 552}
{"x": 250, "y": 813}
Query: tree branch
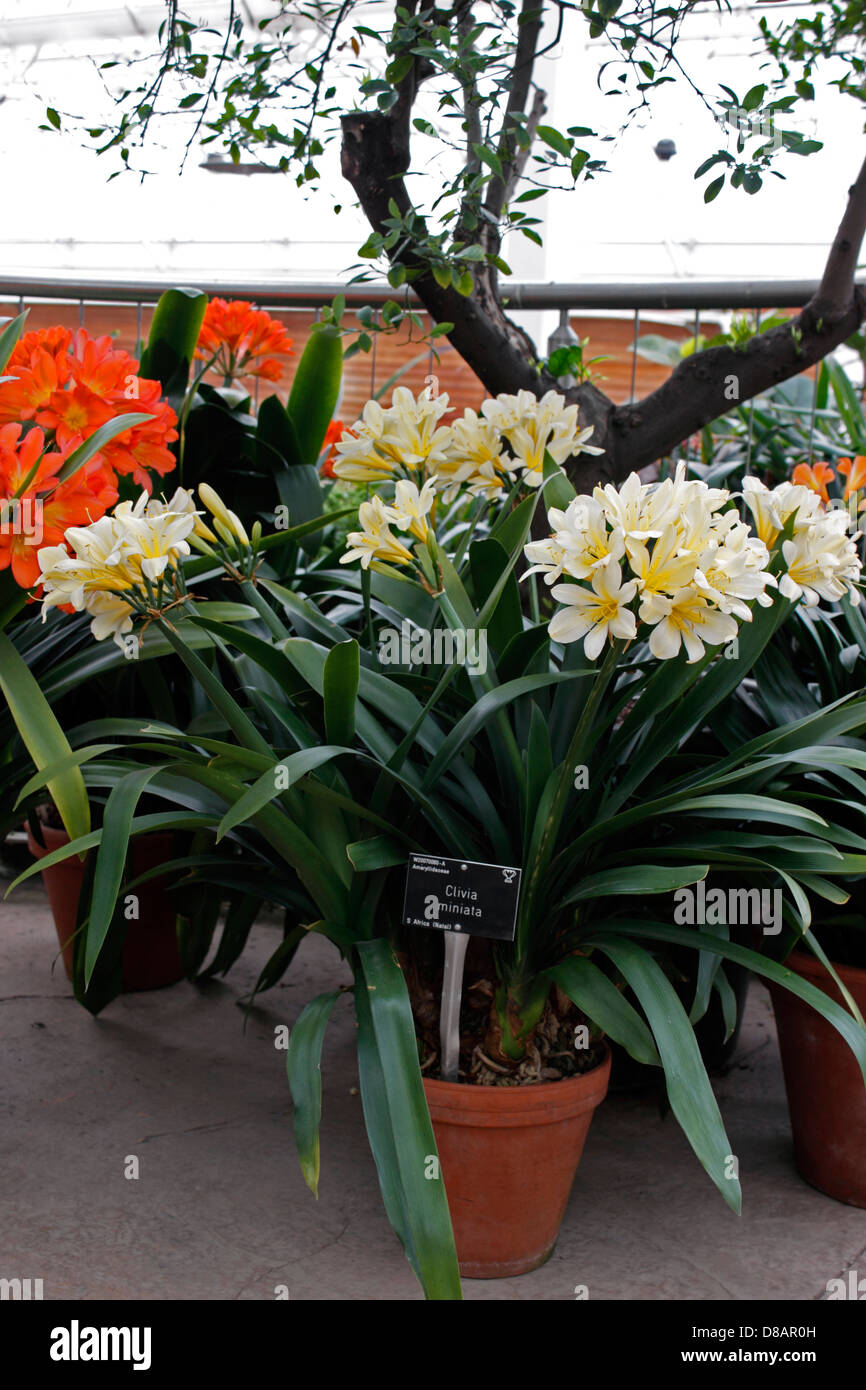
{"x": 703, "y": 386}
{"x": 529, "y": 31}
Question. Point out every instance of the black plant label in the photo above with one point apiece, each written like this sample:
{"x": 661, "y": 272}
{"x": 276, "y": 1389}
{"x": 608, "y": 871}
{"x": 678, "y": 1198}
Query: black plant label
{"x": 461, "y": 895}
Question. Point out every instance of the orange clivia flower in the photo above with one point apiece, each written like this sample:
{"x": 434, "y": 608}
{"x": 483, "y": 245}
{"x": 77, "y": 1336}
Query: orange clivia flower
{"x": 32, "y": 386}
{"x": 30, "y": 346}
{"x": 44, "y": 510}
{"x": 235, "y": 340}
{"x": 333, "y": 434}
{"x": 815, "y": 476}
{"x": 143, "y": 449}
{"x": 74, "y": 415}
{"x": 855, "y": 471}
{"x": 18, "y": 458}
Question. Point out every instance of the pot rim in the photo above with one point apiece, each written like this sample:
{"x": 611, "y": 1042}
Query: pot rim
{"x": 532, "y": 1103}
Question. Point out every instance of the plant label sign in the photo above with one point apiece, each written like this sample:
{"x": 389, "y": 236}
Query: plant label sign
{"x": 461, "y": 895}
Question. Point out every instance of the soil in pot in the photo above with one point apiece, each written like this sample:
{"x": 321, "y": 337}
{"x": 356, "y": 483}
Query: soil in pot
{"x": 826, "y": 1093}
{"x": 151, "y": 958}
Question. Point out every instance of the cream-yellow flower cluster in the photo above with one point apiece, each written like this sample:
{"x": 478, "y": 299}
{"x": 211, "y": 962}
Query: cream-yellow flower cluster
{"x": 820, "y": 555}
{"x": 408, "y": 444}
{"x": 118, "y": 561}
{"x": 481, "y": 453}
{"x": 376, "y": 540}
{"x": 691, "y": 565}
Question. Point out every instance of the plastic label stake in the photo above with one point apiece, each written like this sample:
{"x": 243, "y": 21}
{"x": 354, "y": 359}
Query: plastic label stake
{"x": 452, "y": 993}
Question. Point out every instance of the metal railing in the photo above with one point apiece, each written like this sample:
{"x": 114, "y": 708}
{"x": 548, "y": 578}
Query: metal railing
{"x": 686, "y": 299}
{"x": 680, "y": 295}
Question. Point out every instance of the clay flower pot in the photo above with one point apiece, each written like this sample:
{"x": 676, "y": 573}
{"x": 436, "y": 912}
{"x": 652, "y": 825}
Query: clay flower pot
{"x": 826, "y": 1093}
{"x": 150, "y": 957}
{"x": 509, "y": 1155}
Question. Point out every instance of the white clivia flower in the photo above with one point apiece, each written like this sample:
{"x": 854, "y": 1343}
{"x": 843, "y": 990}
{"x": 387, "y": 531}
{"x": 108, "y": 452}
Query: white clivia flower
{"x": 532, "y": 426}
{"x": 822, "y": 562}
{"x": 595, "y": 614}
{"x": 686, "y": 619}
{"x": 155, "y": 536}
{"x": 375, "y": 541}
{"x": 412, "y": 504}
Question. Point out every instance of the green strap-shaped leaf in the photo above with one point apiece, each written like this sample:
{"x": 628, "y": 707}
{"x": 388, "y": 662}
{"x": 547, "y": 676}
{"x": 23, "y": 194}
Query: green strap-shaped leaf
{"x": 598, "y": 997}
{"x": 142, "y": 825}
{"x": 236, "y": 718}
{"x": 277, "y": 444}
{"x": 282, "y": 833}
{"x": 340, "y": 691}
{"x": 307, "y": 528}
{"x": 377, "y": 1119}
{"x": 174, "y": 331}
{"x": 379, "y": 852}
{"x": 481, "y": 712}
{"x": 689, "y": 1090}
{"x": 844, "y": 1023}
{"x": 276, "y": 780}
{"x": 687, "y": 694}
{"x": 558, "y": 491}
{"x": 722, "y": 986}
{"x": 303, "y": 1064}
{"x": 277, "y": 963}
{"x": 111, "y": 860}
{"x": 240, "y": 919}
{"x": 316, "y": 389}
{"x": 12, "y": 598}
{"x": 49, "y": 774}
{"x": 740, "y": 807}
{"x": 96, "y": 441}
{"x": 398, "y": 1121}
{"x": 488, "y": 559}
{"x": 9, "y": 337}
{"x": 43, "y": 738}
{"x": 637, "y": 878}
{"x": 708, "y": 969}
{"x": 301, "y": 492}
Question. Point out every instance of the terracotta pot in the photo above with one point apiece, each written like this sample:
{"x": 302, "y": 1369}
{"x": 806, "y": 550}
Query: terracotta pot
{"x": 826, "y": 1093}
{"x": 509, "y": 1155}
{"x": 150, "y": 957}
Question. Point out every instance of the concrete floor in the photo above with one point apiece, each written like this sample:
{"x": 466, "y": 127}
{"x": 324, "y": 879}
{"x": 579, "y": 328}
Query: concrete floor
{"x": 219, "y": 1210}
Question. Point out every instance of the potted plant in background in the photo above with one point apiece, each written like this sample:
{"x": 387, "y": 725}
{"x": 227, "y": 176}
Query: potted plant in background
{"x": 813, "y": 662}
{"x": 68, "y": 442}
{"x": 62, "y": 389}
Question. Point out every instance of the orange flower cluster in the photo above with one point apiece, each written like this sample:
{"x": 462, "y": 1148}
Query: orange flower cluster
{"x": 63, "y": 386}
{"x": 816, "y": 476}
{"x": 235, "y": 340}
